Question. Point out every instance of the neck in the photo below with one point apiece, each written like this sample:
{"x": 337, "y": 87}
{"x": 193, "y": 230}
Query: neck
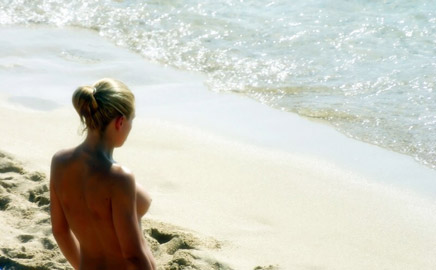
{"x": 96, "y": 143}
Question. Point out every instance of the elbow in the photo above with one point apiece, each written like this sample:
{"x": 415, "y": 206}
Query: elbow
{"x": 137, "y": 262}
{"x": 133, "y": 260}
{"x": 137, "y": 258}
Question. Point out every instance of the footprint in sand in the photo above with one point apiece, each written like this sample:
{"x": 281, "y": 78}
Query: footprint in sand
{"x": 37, "y": 176}
{"x": 176, "y": 249}
{"x": 8, "y": 165}
{"x": 171, "y": 243}
{"x": 39, "y": 195}
{"x": 4, "y": 202}
{"x": 47, "y": 243}
{"x": 24, "y": 238}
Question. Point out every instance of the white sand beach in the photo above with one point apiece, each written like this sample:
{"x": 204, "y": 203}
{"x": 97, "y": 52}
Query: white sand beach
{"x": 256, "y": 187}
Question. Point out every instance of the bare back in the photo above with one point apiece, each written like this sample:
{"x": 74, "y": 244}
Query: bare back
{"x": 85, "y": 186}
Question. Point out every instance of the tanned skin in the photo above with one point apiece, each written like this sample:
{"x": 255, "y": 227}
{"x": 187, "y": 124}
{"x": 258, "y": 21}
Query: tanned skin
{"x": 96, "y": 206}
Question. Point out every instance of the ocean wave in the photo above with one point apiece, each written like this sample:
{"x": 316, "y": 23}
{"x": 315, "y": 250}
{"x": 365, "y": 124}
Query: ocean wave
{"x": 365, "y": 67}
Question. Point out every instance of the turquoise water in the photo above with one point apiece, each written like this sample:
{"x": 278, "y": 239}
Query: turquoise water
{"x": 367, "y": 67}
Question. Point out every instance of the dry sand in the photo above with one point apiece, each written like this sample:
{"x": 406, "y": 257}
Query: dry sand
{"x": 240, "y": 206}
{"x": 27, "y": 241}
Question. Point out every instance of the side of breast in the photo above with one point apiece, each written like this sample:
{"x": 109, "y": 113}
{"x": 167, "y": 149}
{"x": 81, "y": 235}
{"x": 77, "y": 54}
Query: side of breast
{"x": 143, "y": 200}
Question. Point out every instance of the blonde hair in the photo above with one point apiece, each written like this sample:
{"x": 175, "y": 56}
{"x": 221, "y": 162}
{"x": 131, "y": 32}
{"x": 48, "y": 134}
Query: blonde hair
{"x": 105, "y": 100}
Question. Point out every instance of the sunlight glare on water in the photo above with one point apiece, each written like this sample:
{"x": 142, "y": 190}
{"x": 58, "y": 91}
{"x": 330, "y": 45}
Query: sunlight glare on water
{"x": 367, "y": 67}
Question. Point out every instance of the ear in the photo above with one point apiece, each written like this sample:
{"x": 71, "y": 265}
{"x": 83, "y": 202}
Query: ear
{"x": 119, "y": 121}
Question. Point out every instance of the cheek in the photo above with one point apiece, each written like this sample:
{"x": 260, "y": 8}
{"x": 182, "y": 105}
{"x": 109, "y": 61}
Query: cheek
{"x": 128, "y": 129}
{"x": 130, "y": 125}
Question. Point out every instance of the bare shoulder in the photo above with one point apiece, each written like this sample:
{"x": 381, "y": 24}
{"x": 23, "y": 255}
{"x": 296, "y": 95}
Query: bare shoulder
{"x": 59, "y": 161}
{"x": 122, "y": 178}
{"x": 62, "y": 156}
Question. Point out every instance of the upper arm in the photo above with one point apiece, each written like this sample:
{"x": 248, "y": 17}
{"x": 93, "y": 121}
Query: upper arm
{"x": 58, "y": 220}
{"x": 124, "y": 217}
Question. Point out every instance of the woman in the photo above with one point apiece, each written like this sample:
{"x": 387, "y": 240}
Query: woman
{"x": 95, "y": 204}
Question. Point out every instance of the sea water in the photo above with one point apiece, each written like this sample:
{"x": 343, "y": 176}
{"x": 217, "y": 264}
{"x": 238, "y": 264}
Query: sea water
{"x": 367, "y": 67}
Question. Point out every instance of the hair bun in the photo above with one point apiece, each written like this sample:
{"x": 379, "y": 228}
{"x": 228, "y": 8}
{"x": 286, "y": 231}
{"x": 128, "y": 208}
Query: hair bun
{"x": 98, "y": 104}
{"x": 84, "y": 101}
{"x": 94, "y": 102}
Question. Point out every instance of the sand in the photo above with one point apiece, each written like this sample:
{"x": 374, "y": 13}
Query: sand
{"x": 28, "y": 243}
{"x": 235, "y": 184}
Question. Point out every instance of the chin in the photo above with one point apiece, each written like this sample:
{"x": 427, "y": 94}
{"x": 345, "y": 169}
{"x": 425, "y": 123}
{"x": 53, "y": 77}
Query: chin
{"x": 119, "y": 144}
